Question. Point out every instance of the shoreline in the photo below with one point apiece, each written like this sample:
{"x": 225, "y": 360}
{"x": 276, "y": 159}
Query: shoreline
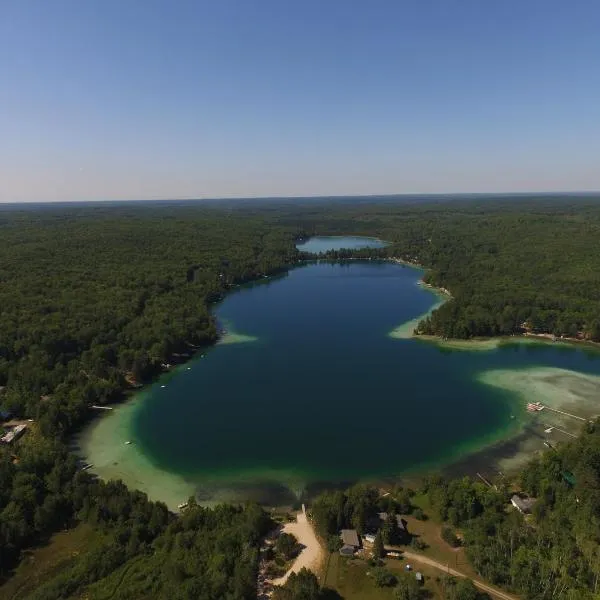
{"x": 141, "y": 473}
{"x": 406, "y": 329}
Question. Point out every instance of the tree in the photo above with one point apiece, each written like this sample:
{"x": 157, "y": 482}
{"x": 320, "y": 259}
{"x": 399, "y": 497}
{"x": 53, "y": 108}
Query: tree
{"x": 463, "y": 589}
{"x": 287, "y": 545}
{"x": 383, "y": 577}
{"x": 449, "y": 537}
{"x": 408, "y": 588}
{"x": 390, "y": 532}
{"x": 301, "y": 586}
{"x": 378, "y": 549}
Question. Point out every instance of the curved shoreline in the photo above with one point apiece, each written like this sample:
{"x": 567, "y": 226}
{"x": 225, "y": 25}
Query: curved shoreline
{"x": 139, "y": 472}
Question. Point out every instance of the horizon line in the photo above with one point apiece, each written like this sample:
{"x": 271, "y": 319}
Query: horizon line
{"x": 312, "y": 197}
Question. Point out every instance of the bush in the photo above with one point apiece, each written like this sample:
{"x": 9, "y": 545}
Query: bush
{"x": 408, "y": 588}
{"x": 333, "y": 543}
{"x": 418, "y": 544}
{"x": 449, "y": 537}
{"x": 419, "y": 514}
{"x": 383, "y": 577}
{"x": 287, "y": 545}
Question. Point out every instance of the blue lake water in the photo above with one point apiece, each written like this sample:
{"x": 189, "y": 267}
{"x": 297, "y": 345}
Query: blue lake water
{"x": 313, "y": 390}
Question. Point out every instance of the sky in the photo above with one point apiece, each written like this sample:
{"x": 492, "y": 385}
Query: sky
{"x": 149, "y": 99}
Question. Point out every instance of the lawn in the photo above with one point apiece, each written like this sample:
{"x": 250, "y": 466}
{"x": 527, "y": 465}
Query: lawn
{"x": 349, "y": 578}
{"x": 430, "y": 532}
{"x": 40, "y": 564}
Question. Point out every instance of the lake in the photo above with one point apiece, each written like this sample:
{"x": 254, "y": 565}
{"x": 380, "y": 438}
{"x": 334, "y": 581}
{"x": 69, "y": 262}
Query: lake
{"x": 310, "y": 387}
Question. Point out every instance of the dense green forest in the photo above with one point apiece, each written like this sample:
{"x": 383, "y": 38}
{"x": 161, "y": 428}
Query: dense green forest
{"x": 95, "y": 299}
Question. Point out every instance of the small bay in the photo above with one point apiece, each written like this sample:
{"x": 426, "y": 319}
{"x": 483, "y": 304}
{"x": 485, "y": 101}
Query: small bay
{"x": 313, "y": 389}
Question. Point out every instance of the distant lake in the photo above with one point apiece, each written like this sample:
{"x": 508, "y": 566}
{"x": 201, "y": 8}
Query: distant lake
{"x": 309, "y": 389}
{"x": 315, "y": 245}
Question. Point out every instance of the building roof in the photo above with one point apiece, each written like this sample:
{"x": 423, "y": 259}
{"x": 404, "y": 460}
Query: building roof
{"x": 523, "y": 504}
{"x": 347, "y": 550}
{"x": 350, "y": 538}
{"x": 383, "y": 517}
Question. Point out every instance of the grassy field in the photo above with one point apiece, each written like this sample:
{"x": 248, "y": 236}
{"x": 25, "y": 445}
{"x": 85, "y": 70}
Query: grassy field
{"x": 40, "y": 564}
{"x": 430, "y": 532}
{"x": 351, "y": 580}
{"x": 350, "y": 577}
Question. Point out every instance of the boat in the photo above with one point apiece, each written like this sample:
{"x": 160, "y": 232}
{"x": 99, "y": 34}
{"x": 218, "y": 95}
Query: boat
{"x": 162, "y": 386}
{"x": 182, "y": 505}
{"x": 535, "y": 407}
{"x": 127, "y": 443}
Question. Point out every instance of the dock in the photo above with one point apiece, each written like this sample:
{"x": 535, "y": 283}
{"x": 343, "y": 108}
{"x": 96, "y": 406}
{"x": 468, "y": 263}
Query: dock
{"x": 553, "y": 427}
{"x": 562, "y": 412}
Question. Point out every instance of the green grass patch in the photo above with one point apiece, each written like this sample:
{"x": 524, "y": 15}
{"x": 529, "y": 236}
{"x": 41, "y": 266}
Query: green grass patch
{"x": 41, "y": 564}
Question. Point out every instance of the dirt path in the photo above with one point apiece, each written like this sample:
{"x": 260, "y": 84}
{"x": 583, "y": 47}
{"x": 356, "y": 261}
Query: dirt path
{"x": 311, "y": 555}
{"x": 419, "y": 558}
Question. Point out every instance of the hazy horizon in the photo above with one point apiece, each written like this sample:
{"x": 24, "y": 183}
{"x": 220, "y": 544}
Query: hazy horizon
{"x": 244, "y": 99}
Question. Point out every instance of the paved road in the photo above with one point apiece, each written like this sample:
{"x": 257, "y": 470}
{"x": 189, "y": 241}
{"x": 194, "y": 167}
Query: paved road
{"x": 425, "y": 560}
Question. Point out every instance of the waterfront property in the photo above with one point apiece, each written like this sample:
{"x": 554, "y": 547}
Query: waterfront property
{"x": 14, "y": 433}
{"x": 350, "y": 542}
{"x": 523, "y": 504}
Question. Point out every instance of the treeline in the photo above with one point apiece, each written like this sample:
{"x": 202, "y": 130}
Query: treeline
{"x": 509, "y": 263}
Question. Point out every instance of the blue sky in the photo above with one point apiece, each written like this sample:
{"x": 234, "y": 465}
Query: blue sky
{"x": 143, "y": 99}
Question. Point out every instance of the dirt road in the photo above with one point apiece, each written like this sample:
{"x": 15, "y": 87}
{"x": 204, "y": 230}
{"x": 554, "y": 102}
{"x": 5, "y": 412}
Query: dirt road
{"x": 311, "y": 555}
{"x": 419, "y": 558}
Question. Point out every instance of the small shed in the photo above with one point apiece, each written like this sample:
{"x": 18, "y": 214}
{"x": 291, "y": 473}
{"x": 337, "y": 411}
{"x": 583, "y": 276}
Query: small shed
{"x": 523, "y": 505}
{"x": 419, "y": 577}
{"x": 350, "y": 538}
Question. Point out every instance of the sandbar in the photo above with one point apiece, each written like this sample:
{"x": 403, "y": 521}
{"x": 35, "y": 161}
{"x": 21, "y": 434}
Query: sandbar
{"x": 104, "y": 444}
{"x": 570, "y": 398}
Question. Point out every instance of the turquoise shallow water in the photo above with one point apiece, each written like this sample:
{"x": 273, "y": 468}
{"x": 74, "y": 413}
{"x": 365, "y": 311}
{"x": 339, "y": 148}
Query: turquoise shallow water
{"x": 325, "y": 243}
{"x": 320, "y": 393}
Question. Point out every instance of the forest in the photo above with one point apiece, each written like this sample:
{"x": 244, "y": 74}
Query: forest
{"x": 95, "y": 300}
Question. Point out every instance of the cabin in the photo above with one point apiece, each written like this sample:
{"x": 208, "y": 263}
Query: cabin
{"x": 350, "y": 538}
{"x": 523, "y": 505}
{"x": 13, "y": 434}
{"x": 350, "y": 542}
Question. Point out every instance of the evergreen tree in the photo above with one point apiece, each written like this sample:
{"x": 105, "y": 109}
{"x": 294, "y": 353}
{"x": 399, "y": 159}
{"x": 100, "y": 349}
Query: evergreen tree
{"x": 378, "y": 549}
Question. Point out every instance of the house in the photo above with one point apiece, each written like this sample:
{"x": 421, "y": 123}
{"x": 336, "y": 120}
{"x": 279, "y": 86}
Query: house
{"x": 523, "y": 505}
{"x": 350, "y": 538}
{"x": 350, "y": 542}
{"x": 13, "y": 434}
{"x": 419, "y": 577}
